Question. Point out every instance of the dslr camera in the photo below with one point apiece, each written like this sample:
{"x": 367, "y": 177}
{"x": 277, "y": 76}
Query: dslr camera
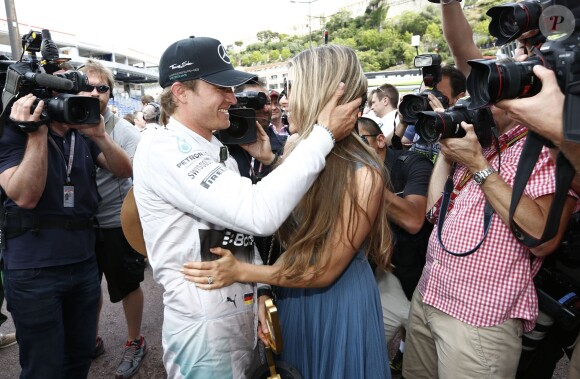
{"x": 491, "y": 80}
{"x": 434, "y": 126}
{"x": 510, "y": 20}
{"x": 411, "y": 105}
{"x": 243, "y": 118}
{"x": 57, "y": 91}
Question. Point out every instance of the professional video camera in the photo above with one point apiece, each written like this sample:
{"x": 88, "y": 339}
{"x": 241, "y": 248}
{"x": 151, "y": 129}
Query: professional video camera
{"x": 492, "y": 81}
{"x": 33, "y": 77}
{"x": 411, "y": 104}
{"x": 243, "y": 119}
{"x": 433, "y": 126}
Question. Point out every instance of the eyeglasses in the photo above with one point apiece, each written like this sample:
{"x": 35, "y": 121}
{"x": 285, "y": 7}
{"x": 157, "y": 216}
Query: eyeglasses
{"x": 365, "y": 137}
{"x": 100, "y": 89}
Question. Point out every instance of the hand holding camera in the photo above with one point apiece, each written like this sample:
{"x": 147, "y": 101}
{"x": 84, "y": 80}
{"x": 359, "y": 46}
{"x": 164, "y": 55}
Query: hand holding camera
{"x": 26, "y": 112}
{"x": 466, "y": 151}
{"x": 550, "y": 100}
{"x": 260, "y": 148}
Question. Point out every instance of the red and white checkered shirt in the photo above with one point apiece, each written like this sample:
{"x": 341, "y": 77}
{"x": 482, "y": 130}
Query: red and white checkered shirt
{"x": 495, "y": 283}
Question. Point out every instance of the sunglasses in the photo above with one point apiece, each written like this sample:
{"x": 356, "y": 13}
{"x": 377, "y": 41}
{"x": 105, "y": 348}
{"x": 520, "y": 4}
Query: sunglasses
{"x": 365, "y": 137}
{"x": 100, "y": 89}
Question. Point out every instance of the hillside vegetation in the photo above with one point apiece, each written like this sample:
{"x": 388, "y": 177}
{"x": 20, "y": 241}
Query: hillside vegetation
{"x": 380, "y": 43}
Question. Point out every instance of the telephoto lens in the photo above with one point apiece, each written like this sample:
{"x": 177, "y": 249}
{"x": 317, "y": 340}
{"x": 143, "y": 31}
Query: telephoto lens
{"x": 492, "y": 81}
{"x": 412, "y": 104}
{"x": 510, "y": 20}
{"x": 434, "y": 126}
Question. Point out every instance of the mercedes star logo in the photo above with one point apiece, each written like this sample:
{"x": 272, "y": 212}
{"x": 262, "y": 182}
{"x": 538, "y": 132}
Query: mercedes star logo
{"x": 223, "y": 54}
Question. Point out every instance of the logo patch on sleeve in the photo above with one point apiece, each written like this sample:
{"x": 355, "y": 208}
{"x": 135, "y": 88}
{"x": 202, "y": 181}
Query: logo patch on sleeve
{"x": 249, "y": 298}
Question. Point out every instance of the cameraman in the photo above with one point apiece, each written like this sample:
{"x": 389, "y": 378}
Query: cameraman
{"x": 488, "y": 295}
{"x": 452, "y": 86}
{"x": 549, "y": 124}
{"x": 51, "y": 283}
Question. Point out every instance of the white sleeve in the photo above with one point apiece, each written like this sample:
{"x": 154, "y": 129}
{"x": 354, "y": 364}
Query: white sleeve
{"x": 195, "y": 183}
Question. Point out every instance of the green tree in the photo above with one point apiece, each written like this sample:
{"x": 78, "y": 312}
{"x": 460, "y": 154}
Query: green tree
{"x": 274, "y": 55}
{"x": 285, "y": 54}
{"x": 266, "y": 36}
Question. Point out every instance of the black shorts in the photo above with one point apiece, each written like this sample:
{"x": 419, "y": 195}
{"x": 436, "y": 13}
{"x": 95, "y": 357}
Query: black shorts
{"x": 123, "y": 267}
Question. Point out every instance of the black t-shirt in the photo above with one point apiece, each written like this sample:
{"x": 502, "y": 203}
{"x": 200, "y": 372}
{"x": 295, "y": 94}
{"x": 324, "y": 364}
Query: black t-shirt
{"x": 53, "y": 247}
{"x": 410, "y": 174}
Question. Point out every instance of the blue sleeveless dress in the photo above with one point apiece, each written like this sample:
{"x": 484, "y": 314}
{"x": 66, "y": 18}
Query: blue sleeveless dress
{"x": 336, "y": 332}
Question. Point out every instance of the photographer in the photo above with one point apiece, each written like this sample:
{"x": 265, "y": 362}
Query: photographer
{"x": 51, "y": 283}
{"x": 477, "y": 282}
{"x": 117, "y": 261}
{"x": 452, "y": 86}
{"x": 256, "y": 170}
{"x": 549, "y": 124}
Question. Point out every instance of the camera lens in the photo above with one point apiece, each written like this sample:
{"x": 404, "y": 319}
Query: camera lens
{"x": 507, "y": 24}
{"x": 511, "y": 20}
{"x": 429, "y": 126}
{"x": 492, "y": 81}
{"x": 411, "y": 105}
{"x": 72, "y": 109}
{"x": 78, "y": 112}
{"x": 238, "y": 127}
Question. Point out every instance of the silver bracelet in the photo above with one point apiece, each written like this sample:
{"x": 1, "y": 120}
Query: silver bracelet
{"x": 329, "y": 132}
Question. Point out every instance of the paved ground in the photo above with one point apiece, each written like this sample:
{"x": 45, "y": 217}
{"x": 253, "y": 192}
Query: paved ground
{"x": 113, "y": 331}
{"x": 114, "y": 334}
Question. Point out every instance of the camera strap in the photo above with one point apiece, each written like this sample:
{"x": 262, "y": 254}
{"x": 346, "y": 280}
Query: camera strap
{"x": 564, "y": 176}
{"x": 447, "y": 194}
{"x": 450, "y": 193}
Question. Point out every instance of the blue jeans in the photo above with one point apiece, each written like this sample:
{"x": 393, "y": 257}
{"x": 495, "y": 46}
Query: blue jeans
{"x": 55, "y": 313}
{"x": 3, "y": 317}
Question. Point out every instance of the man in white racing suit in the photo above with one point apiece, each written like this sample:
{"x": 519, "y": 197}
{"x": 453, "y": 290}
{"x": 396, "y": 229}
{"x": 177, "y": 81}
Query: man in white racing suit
{"x": 191, "y": 198}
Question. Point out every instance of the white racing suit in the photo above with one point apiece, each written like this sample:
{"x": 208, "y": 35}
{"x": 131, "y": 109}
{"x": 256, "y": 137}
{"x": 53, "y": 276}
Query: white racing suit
{"x": 189, "y": 201}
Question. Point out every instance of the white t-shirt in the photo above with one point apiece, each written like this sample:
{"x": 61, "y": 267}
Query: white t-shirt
{"x": 388, "y": 124}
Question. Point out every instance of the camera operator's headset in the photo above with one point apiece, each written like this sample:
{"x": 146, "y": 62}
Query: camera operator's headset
{"x": 157, "y": 111}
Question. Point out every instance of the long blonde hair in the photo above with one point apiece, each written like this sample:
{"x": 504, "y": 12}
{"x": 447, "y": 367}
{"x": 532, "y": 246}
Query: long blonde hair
{"x": 307, "y": 233}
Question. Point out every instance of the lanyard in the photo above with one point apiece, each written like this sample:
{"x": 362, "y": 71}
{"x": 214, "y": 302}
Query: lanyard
{"x": 445, "y": 203}
{"x": 67, "y": 166}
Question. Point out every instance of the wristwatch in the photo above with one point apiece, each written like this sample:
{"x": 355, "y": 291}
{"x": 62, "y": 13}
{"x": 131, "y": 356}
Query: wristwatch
{"x": 480, "y": 176}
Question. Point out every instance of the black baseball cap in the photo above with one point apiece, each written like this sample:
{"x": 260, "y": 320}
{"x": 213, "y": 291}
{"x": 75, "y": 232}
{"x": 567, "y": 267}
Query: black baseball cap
{"x": 199, "y": 58}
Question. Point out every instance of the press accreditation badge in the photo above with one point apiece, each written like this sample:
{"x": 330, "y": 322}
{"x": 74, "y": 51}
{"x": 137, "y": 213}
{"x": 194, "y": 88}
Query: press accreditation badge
{"x": 69, "y": 196}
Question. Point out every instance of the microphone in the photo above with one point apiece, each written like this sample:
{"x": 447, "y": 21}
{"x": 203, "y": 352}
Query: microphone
{"x": 50, "y": 81}
{"x": 48, "y": 48}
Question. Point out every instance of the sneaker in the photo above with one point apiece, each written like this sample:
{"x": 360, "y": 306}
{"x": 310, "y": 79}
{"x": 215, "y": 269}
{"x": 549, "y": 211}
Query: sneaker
{"x": 99, "y": 347}
{"x": 7, "y": 340}
{"x": 132, "y": 358}
{"x": 396, "y": 363}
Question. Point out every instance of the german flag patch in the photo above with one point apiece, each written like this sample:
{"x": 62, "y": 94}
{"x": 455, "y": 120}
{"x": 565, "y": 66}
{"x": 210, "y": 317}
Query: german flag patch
{"x": 249, "y": 298}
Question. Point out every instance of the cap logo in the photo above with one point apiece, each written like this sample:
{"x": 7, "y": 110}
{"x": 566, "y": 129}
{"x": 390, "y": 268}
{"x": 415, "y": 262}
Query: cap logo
{"x": 181, "y": 65}
{"x": 223, "y": 54}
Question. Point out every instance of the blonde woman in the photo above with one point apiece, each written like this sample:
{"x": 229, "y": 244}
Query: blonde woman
{"x": 328, "y": 300}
